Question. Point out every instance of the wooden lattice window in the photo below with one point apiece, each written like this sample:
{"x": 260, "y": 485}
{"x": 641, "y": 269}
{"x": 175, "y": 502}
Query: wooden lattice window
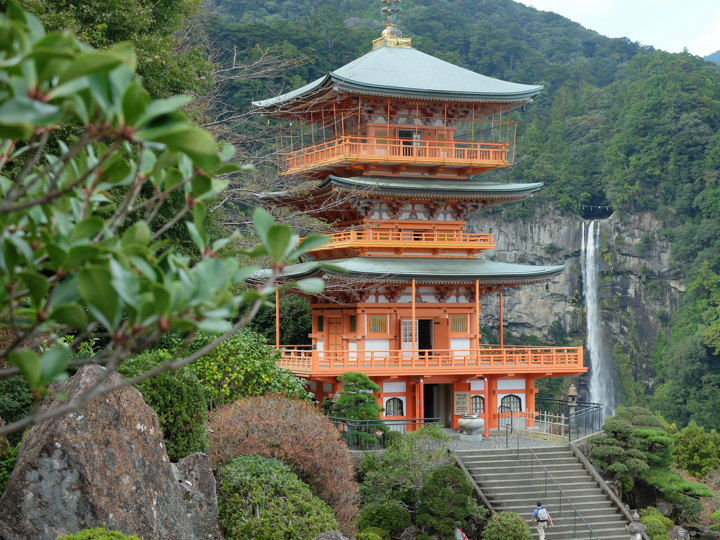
{"x": 381, "y": 137}
{"x": 320, "y": 325}
{"x": 378, "y": 324}
{"x": 513, "y": 402}
{"x": 407, "y": 330}
{"x": 441, "y": 139}
{"x": 394, "y": 407}
{"x": 458, "y": 323}
{"x": 477, "y": 405}
{"x": 353, "y": 323}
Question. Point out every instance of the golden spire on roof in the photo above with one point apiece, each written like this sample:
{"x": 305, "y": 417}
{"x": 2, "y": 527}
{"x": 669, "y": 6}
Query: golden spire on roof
{"x": 391, "y": 36}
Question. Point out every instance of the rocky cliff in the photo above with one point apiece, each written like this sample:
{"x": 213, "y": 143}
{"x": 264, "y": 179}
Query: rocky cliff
{"x": 639, "y": 285}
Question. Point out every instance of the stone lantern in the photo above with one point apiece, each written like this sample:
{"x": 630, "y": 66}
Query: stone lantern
{"x": 635, "y": 528}
{"x": 572, "y": 396}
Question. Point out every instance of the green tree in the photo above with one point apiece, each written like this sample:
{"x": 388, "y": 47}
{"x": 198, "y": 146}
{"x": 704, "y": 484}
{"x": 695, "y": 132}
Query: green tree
{"x": 697, "y": 451}
{"x": 507, "y": 526}
{"x": 150, "y": 26}
{"x": 71, "y": 265}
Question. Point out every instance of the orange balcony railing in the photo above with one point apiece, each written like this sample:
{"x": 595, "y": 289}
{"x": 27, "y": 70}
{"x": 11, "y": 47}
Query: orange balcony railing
{"x": 304, "y": 361}
{"x": 352, "y": 149}
{"x": 442, "y": 243}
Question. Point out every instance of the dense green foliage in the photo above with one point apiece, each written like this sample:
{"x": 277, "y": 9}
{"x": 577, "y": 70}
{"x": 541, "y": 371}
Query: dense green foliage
{"x": 389, "y": 515}
{"x": 149, "y": 26}
{"x": 445, "y": 499}
{"x": 507, "y": 526}
{"x": 399, "y": 473}
{"x": 655, "y": 528}
{"x": 635, "y": 445}
{"x": 99, "y": 533}
{"x": 262, "y": 499}
{"x": 16, "y": 402}
{"x": 295, "y": 321}
{"x": 178, "y": 399}
{"x": 244, "y": 365}
{"x": 697, "y": 451}
{"x": 374, "y": 533}
{"x": 8, "y": 457}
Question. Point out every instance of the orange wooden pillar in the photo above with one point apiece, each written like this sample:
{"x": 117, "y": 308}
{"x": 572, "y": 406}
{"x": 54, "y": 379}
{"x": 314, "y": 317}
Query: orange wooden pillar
{"x": 530, "y": 392}
{"x": 486, "y": 407}
{"x": 491, "y": 402}
{"x": 501, "y": 321}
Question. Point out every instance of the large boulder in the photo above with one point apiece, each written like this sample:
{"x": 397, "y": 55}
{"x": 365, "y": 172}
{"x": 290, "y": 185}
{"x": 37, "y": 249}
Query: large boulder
{"x": 106, "y": 464}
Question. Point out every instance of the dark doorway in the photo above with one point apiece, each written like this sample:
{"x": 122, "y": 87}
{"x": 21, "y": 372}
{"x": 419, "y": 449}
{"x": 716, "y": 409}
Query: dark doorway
{"x": 438, "y": 402}
{"x": 425, "y": 337}
{"x": 409, "y": 139}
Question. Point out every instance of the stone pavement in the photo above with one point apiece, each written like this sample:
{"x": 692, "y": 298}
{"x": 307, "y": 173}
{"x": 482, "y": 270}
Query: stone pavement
{"x": 495, "y": 441}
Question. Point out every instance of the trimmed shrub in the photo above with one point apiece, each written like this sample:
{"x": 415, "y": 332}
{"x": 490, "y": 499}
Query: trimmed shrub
{"x": 377, "y": 532}
{"x": 357, "y": 402}
{"x": 294, "y": 432}
{"x": 445, "y": 499}
{"x": 177, "y": 397}
{"x": 368, "y": 536}
{"x": 99, "y": 533}
{"x": 696, "y": 451}
{"x": 651, "y": 511}
{"x": 388, "y": 515}
{"x": 654, "y": 526}
{"x": 507, "y": 526}
{"x": 243, "y": 366}
{"x": 16, "y": 402}
{"x": 262, "y": 499}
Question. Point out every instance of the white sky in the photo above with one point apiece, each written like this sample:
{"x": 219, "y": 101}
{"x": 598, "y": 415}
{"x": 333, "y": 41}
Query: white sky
{"x": 669, "y": 25}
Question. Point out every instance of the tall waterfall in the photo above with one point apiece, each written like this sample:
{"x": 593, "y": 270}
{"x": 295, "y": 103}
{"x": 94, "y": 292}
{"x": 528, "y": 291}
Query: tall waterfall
{"x": 601, "y": 380}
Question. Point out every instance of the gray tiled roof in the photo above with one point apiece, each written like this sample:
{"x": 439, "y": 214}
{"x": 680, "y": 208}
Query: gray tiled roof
{"x": 401, "y": 72}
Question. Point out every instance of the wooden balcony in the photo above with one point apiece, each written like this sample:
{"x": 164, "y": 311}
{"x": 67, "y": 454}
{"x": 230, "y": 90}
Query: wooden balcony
{"x": 390, "y": 242}
{"x": 395, "y": 156}
{"x": 490, "y": 359}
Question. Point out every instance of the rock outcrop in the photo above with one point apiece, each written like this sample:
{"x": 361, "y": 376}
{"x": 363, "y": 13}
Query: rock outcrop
{"x": 106, "y": 464}
{"x": 640, "y": 287}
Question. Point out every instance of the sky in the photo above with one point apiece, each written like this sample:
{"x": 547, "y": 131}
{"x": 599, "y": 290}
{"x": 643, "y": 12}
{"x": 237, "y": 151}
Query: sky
{"x": 669, "y": 25}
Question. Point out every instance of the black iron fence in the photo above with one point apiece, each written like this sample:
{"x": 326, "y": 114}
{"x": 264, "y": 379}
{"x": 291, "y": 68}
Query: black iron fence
{"x": 376, "y": 434}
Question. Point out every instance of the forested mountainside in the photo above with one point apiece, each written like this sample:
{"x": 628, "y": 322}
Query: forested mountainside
{"x": 714, "y": 57}
{"x": 617, "y": 124}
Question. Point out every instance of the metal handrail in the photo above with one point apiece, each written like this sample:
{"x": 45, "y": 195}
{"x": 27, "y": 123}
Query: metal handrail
{"x": 548, "y": 475}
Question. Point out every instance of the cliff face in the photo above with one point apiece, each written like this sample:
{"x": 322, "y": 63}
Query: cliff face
{"x": 639, "y": 287}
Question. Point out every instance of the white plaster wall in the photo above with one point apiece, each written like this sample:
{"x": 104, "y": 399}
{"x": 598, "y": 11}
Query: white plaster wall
{"x": 510, "y": 384}
{"x": 477, "y": 385}
{"x": 394, "y": 387}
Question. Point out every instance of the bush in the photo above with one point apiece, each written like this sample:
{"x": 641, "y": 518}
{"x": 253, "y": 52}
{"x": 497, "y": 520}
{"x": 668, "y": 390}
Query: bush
{"x": 294, "y": 432}
{"x": 391, "y": 437}
{"x": 654, "y": 526}
{"x": 368, "y": 536}
{"x": 388, "y": 515}
{"x": 507, "y": 526}
{"x": 552, "y": 249}
{"x": 377, "y": 532}
{"x": 402, "y": 470}
{"x": 445, "y": 499}
{"x": 16, "y": 402}
{"x": 262, "y": 499}
{"x": 357, "y": 402}
{"x": 177, "y": 397}
{"x": 99, "y": 533}
{"x": 243, "y": 366}
{"x": 696, "y": 451}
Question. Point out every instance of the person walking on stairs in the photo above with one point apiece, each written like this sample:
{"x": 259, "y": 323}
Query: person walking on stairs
{"x": 542, "y": 516}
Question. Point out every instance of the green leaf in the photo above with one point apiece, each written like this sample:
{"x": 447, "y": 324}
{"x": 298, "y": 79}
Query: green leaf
{"x": 38, "y": 286}
{"x": 86, "y": 228}
{"x": 197, "y": 144}
{"x": 125, "y": 283}
{"x": 278, "y": 240}
{"x": 53, "y": 363}
{"x": 78, "y": 255}
{"x": 72, "y": 315}
{"x": 23, "y": 110}
{"x": 90, "y": 63}
{"x": 200, "y": 184}
{"x": 95, "y": 285}
{"x": 65, "y": 293}
{"x": 160, "y": 107}
{"x": 214, "y": 326}
{"x": 311, "y": 242}
{"x": 28, "y": 362}
{"x": 162, "y": 300}
{"x": 262, "y": 221}
{"x": 139, "y": 234}
{"x": 227, "y": 151}
{"x": 311, "y": 285}
{"x": 196, "y": 237}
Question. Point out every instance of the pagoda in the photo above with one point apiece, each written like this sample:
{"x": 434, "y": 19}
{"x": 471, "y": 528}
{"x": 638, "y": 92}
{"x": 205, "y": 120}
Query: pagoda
{"x": 391, "y": 141}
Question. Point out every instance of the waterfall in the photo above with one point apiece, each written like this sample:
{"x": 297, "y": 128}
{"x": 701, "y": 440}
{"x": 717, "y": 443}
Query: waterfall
{"x": 582, "y": 253}
{"x": 601, "y": 382}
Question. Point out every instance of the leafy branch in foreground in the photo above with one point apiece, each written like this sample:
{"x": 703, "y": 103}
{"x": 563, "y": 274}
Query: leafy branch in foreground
{"x": 74, "y": 267}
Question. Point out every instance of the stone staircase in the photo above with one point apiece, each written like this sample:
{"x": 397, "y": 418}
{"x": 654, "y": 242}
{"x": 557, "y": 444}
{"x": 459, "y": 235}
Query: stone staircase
{"x": 504, "y": 476}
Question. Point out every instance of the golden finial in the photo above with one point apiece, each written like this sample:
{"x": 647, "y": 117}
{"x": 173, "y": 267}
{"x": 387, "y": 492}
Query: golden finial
{"x": 391, "y": 36}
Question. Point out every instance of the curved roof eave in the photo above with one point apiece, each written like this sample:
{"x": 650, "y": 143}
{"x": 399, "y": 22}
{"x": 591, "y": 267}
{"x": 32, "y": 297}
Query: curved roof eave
{"x": 435, "y": 270}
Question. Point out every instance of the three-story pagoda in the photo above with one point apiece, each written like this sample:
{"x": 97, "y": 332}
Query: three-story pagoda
{"x": 393, "y": 138}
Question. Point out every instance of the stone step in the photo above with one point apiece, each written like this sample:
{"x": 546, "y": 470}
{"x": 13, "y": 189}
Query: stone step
{"x": 591, "y": 505}
{"x": 522, "y": 468}
{"x": 575, "y": 480}
{"x": 512, "y": 453}
{"x": 556, "y": 459}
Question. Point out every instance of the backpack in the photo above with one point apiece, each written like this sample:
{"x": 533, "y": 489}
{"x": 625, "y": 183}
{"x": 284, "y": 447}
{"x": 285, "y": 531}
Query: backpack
{"x": 542, "y": 515}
